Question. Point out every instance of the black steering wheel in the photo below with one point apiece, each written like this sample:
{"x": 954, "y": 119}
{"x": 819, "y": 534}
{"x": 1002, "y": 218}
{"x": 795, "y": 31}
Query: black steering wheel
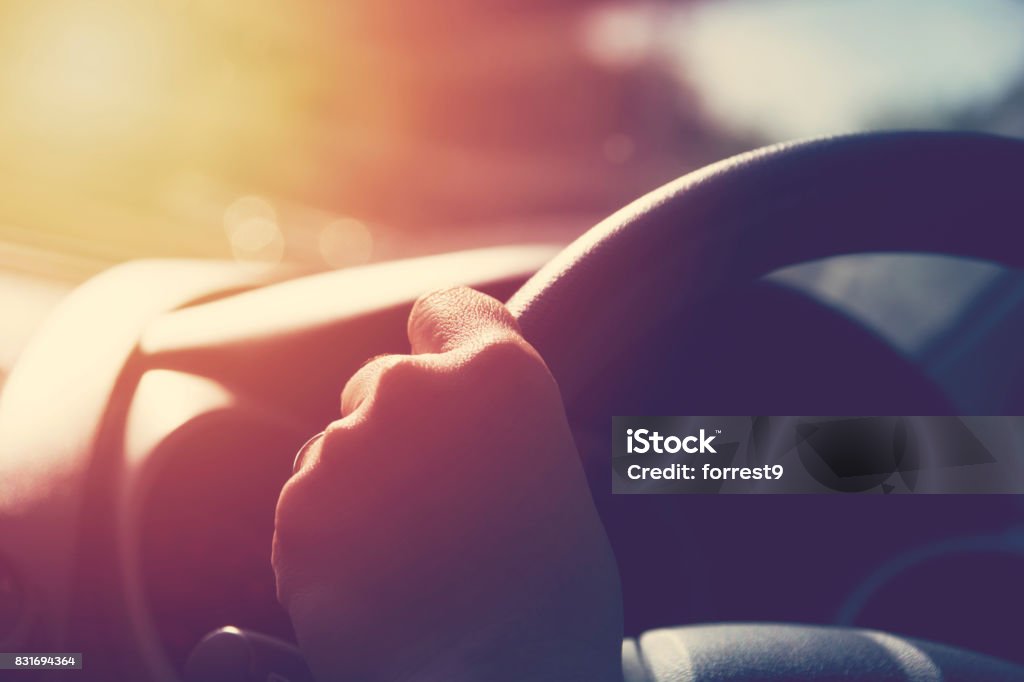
{"x": 650, "y": 266}
{"x": 746, "y": 216}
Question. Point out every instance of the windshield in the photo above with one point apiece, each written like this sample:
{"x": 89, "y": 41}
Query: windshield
{"x": 333, "y": 133}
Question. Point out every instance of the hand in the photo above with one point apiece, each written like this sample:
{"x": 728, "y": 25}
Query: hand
{"x": 443, "y": 529}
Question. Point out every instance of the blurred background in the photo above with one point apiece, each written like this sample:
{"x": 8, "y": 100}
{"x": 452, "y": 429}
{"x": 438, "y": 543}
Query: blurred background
{"x": 319, "y": 135}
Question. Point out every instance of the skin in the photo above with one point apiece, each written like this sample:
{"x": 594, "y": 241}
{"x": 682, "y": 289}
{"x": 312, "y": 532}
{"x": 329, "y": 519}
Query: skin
{"x": 442, "y": 528}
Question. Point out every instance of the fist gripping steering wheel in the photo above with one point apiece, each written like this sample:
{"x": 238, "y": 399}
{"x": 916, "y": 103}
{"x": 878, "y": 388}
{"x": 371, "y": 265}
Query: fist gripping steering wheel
{"x": 667, "y": 253}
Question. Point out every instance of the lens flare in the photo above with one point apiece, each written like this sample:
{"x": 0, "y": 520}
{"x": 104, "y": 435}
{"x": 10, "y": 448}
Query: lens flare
{"x": 105, "y": 105}
{"x": 89, "y": 70}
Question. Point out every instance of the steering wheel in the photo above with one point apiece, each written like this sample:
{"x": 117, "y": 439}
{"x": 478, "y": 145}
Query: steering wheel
{"x": 741, "y": 218}
{"x": 646, "y": 270}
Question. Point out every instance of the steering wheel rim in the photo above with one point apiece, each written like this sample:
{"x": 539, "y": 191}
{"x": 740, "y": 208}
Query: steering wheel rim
{"x": 748, "y": 215}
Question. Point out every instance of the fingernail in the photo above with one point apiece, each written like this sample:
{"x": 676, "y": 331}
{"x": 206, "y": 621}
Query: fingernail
{"x": 303, "y": 450}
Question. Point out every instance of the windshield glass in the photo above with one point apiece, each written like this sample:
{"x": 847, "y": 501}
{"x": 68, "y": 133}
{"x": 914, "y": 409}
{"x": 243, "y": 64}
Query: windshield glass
{"x": 333, "y": 133}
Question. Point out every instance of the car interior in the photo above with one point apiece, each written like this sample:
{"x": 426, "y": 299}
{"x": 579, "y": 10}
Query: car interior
{"x": 873, "y": 273}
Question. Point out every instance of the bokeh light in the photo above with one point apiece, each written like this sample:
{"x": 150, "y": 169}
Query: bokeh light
{"x": 345, "y": 241}
{"x": 252, "y": 228}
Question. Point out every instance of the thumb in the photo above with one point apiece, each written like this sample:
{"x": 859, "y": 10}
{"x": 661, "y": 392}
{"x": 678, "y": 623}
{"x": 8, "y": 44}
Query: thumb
{"x": 458, "y": 318}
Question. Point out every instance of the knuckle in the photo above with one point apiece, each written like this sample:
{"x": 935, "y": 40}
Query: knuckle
{"x": 508, "y": 354}
{"x": 399, "y": 377}
{"x": 396, "y": 383}
{"x": 438, "y": 297}
{"x": 509, "y": 369}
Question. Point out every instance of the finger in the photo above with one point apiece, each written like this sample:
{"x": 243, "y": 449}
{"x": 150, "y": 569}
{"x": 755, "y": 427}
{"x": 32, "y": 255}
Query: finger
{"x": 458, "y": 317}
{"x": 364, "y": 382}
